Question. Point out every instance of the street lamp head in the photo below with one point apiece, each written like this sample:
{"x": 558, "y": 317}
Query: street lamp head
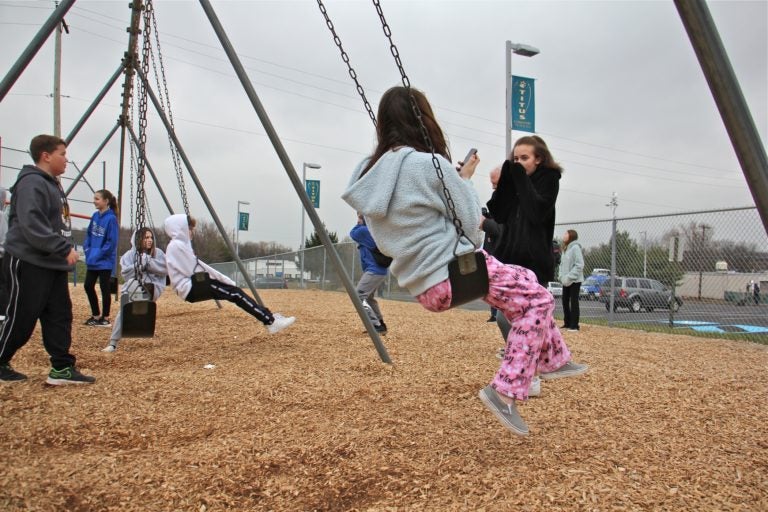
{"x": 523, "y": 50}
{"x": 243, "y": 202}
{"x": 312, "y": 166}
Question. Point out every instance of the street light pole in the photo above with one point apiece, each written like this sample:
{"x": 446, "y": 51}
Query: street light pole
{"x": 645, "y": 253}
{"x": 304, "y": 167}
{"x": 525, "y": 51}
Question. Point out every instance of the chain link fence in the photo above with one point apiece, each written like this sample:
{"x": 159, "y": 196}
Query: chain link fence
{"x": 702, "y": 273}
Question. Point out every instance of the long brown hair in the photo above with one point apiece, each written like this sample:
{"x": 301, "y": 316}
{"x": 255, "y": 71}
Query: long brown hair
{"x": 397, "y": 125}
{"x": 572, "y": 237}
{"x": 540, "y": 150}
{"x": 139, "y": 242}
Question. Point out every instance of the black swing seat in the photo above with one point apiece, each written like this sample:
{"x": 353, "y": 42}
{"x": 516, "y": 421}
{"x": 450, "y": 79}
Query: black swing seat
{"x": 468, "y": 275}
{"x": 201, "y": 288}
{"x": 138, "y": 316}
{"x": 139, "y": 319}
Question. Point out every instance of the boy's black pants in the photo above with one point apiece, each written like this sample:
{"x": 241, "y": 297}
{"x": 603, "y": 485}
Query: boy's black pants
{"x": 31, "y": 293}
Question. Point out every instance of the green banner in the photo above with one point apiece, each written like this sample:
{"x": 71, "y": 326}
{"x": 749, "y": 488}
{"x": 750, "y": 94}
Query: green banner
{"x": 313, "y": 192}
{"x": 242, "y": 224}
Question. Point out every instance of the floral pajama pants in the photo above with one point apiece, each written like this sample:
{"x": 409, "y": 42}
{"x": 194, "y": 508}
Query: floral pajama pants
{"x": 534, "y": 343}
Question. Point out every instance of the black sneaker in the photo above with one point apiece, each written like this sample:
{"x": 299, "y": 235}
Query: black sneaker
{"x": 491, "y": 319}
{"x": 381, "y": 328}
{"x": 8, "y": 374}
{"x": 102, "y": 322}
{"x": 91, "y": 321}
{"x": 68, "y": 375}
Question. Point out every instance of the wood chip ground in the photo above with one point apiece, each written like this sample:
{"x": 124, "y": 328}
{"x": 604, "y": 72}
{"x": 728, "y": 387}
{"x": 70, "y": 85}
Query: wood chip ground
{"x": 311, "y": 419}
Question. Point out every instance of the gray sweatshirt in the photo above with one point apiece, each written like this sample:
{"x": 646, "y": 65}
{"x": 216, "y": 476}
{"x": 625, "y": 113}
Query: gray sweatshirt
{"x": 39, "y": 229}
{"x": 402, "y": 201}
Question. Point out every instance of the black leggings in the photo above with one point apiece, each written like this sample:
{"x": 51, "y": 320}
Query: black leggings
{"x": 233, "y": 294}
{"x": 90, "y": 290}
{"x": 571, "y": 305}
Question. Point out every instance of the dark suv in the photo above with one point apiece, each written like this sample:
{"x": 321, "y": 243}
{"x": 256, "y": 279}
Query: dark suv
{"x": 638, "y": 293}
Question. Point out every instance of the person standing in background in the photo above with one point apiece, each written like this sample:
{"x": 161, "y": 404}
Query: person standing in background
{"x": 374, "y": 272}
{"x": 491, "y": 228}
{"x": 524, "y": 203}
{"x": 571, "y": 276}
{"x": 100, "y": 248}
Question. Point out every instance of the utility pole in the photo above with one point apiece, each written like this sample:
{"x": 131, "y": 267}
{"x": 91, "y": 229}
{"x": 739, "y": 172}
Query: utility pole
{"x": 613, "y": 204}
{"x": 57, "y": 76}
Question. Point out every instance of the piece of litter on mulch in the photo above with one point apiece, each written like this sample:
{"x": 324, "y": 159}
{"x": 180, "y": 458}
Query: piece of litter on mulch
{"x": 209, "y": 366}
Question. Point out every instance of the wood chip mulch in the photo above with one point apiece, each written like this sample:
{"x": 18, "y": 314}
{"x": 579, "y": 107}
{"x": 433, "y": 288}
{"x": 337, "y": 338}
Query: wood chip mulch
{"x": 310, "y": 419}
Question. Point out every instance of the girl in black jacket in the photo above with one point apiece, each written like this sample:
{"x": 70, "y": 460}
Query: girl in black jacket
{"x": 524, "y": 203}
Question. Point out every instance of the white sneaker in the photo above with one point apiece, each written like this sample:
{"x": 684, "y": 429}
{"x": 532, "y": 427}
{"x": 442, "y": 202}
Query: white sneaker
{"x": 280, "y": 323}
{"x": 109, "y": 348}
{"x": 535, "y": 387}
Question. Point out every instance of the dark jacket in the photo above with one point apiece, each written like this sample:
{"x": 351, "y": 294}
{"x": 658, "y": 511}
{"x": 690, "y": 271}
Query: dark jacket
{"x": 39, "y": 231}
{"x": 100, "y": 243}
{"x": 492, "y": 231}
{"x": 525, "y": 206}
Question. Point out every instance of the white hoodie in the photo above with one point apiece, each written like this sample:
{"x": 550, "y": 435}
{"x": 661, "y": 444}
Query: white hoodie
{"x": 181, "y": 259}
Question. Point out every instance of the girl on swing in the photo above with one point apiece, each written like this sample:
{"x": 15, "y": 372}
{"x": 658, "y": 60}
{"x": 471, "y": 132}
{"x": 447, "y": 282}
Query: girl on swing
{"x": 401, "y": 198}
{"x": 182, "y": 263}
{"x": 151, "y": 261}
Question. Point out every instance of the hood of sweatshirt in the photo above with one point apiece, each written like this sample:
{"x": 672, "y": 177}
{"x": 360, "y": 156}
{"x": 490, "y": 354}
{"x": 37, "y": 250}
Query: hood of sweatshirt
{"x": 372, "y": 193}
{"x": 177, "y": 227}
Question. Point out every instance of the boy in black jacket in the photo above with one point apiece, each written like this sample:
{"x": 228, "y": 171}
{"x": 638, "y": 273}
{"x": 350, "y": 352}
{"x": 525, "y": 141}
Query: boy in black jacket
{"x": 38, "y": 255}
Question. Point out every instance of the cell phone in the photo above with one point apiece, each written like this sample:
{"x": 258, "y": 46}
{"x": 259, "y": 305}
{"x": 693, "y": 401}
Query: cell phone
{"x": 471, "y": 152}
{"x": 469, "y": 155}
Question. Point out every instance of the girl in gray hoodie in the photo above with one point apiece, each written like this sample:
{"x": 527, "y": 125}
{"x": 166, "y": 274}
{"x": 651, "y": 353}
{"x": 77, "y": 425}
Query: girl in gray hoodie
{"x": 398, "y": 192}
{"x": 150, "y": 261}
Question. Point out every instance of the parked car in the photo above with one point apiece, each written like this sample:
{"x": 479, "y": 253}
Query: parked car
{"x": 638, "y": 293}
{"x": 555, "y": 288}
{"x": 590, "y": 288}
{"x": 270, "y": 282}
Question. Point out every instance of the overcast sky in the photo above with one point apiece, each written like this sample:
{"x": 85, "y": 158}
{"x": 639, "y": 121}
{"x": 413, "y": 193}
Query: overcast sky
{"x": 621, "y": 98}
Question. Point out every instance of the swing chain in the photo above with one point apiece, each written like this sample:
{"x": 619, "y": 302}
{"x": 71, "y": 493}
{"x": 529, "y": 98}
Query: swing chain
{"x": 422, "y": 127}
{"x": 166, "y": 106}
{"x": 345, "y": 58}
{"x": 141, "y": 163}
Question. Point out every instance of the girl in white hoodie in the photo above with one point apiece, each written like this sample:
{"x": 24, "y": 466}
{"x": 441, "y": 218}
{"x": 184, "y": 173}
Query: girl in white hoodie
{"x": 182, "y": 263}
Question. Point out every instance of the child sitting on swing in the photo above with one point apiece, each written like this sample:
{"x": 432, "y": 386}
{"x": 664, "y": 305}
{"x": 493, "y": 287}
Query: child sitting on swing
{"x": 399, "y": 193}
{"x": 182, "y": 264}
{"x": 151, "y": 262}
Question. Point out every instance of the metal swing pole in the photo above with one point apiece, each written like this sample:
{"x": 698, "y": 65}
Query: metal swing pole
{"x": 34, "y": 46}
{"x": 90, "y": 161}
{"x": 293, "y": 176}
{"x": 199, "y": 185}
{"x": 128, "y": 65}
{"x": 729, "y": 99}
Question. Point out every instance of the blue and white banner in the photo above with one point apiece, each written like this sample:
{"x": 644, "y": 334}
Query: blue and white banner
{"x": 523, "y": 104}
{"x": 313, "y": 191}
